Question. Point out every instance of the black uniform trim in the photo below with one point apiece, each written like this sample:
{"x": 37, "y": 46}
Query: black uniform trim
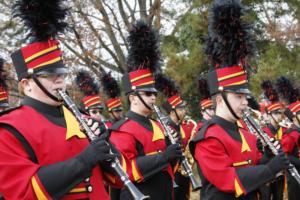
{"x": 272, "y": 129}
{"x": 118, "y": 124}
{"x": 143, "y": 121}
{"x": 254, "y": 176}
{"x": 59, "y": 178}
{"x": 52, "y": 113}
{"x": 151, "y": 164}
{"x": 22, "y": 140}
{"x": 199, "y": 136}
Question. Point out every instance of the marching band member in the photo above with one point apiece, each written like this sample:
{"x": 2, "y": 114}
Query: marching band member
{"x": 183, "y": 129}
{"x": 113, "y": 103}
{"x": 91, "y": 103}
{"x": 291, "y": 137}
{"x": 140, "y": 139}
{"x": 205, "y": 103}
{"x": 44, "y": 154}
{"x": 226, "y": 154}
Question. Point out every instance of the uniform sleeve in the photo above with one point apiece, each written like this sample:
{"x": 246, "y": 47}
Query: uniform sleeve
{"x": 288, "y": 143}
{"x": 27, "y": 180}
{"x": 218, "y": 169}
{"x": 17, "y": 170}
{"x": 138, "y": 167}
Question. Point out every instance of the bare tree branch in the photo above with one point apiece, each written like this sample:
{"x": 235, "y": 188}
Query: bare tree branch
{"x": 123, "y": 14}
{"x": 143, "y": 9}
{"x": 98, "y": 5}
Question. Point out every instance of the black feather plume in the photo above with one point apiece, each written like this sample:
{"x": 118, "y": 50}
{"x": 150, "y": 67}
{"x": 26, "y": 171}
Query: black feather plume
{"x": 143, "y": 51}
{"x": 203, "y": 88}
{"x": 43, "y": 18}
{"x": 3, "y": 75}
{"x": 87, "y": 83}
{"x": 230, "y": 39}
{"x": 269, "y": 91}
{"x": 110, "y": 86}
{"x": 287, "y": 90}
{"x": 166, "y": 85}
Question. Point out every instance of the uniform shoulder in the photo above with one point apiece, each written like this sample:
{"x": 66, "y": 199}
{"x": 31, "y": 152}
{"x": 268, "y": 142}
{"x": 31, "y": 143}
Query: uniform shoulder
{"x": 7, "y": 111}
{"x": 117, "y": 125}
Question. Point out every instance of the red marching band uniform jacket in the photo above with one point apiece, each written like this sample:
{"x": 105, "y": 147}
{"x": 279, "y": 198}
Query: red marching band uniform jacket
{"x": 222, "y": 154}
{"x": 51, "y": 144}
{"x": 134, "y": 140}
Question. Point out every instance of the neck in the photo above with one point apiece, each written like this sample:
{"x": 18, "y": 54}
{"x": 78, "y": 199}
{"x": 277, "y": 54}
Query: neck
{"x": 225, "y": 115}
{"x": 174, "y": 119}
{"x": 139, "y": 111}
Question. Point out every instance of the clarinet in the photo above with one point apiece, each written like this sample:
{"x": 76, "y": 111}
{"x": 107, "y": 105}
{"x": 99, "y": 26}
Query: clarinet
{"x": 115, "y": 163}
{"x": 253, "y": 126}
{"x": 163, "y": 120}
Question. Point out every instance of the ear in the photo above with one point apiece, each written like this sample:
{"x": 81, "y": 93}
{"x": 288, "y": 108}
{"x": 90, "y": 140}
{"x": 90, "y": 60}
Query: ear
{"x": 219, "y": 99}
{"x": 25, "y": 85}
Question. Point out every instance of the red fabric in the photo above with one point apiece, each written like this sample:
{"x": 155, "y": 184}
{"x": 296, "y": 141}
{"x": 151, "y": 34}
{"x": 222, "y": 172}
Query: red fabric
{"x": 189, "y": 128}
{"x": 205, "y": 103}
{"x": 40, "y": 60}
{"x": 113, "y": 103}
{"x": 294, "y": 107}
{"x": 174, "y": 100}
{"x": 87, "y": 101}
{"x": 36, "y": 47}
{"x": 140, "y": 77}
{"x": 223, "y": 72}
{"x": 50, "y": 146}
{"x": 125, "y": 141}
{"x": 274, "y": 106}
{"x": 217, "y": 153}
{"x": 3, "y": 94}
{"x": 290, "y": 141}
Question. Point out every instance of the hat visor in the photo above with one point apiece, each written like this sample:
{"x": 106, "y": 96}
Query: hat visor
{"x": 96, "y": 106}
{"x": 239, "y": 90}
{"x": 59, "y": 70}
{"x": 117, "y": 109}
{"x": 150, "y": 89}
{"x": 4, "y": 105}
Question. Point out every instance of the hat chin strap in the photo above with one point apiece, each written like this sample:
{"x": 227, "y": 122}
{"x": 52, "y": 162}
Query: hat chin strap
{"x": 207, "y": 113}
{"x": 274, "y": 119}
{"x": 229, "y": 106}
{"x": 35, "y": 79}
{"x": 142, "y": 100}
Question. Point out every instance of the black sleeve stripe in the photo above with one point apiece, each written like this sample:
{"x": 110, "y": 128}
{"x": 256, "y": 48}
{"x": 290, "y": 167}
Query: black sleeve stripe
{"x": 23, "y": 141}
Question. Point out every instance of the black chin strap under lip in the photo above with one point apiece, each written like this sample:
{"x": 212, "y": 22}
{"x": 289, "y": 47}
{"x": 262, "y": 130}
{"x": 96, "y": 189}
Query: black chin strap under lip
{"x": 35, "y": 79}
{"x": 114, "y": 116}
{"x": 229, "y": 106}
{"x": 142, "y": 100}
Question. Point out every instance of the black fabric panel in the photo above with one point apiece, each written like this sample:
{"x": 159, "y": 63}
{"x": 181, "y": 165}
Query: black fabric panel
{"x": 151, "y": 164}
{"x": 117, "y": 125}
{"x": 22, "y": 140}
{"x": 210, "y": 192}
{"x": 59, "y": 178}
{"x": 253, "y": 177}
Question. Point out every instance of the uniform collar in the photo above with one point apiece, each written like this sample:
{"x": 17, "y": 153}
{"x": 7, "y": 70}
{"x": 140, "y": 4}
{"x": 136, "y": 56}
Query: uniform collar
{"x": 43, "y": 108}
{"x": 272, "y": 129}
{"x": 142, "y": 120}
{"x": 231, "y": 128}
